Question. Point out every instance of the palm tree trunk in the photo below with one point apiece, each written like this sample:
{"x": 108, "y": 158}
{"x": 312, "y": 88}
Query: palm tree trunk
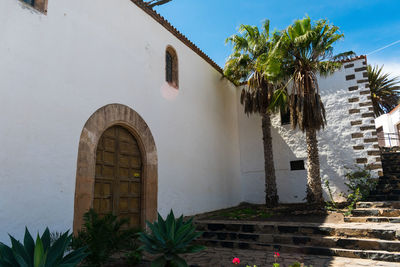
{"x": 271, "y": 193}
{"x": 314, "y": 188}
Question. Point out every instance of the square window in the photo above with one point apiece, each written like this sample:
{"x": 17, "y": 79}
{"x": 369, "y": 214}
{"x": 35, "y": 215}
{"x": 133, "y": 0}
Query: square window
{"x": 297, "y": 165}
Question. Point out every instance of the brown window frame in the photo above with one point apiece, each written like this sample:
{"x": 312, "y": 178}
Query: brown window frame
{"x": 171, "y": 68}
{"x": 40, "y": 5}
{"x": 398, "y": 132}
{"x": 381, "y": 136}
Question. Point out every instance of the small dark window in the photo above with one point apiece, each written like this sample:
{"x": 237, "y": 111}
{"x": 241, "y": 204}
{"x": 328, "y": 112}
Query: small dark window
{"x": 171, "y": 67}
{"x": 168, "y": 67}
{"x": 40, "y": 5}
{"x": 285, "y": 116}
{"x": 296, "y": 165}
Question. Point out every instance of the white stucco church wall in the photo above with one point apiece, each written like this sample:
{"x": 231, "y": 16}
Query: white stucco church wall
{"x": 349, "y": 139}
{"x": 57, "y": 70}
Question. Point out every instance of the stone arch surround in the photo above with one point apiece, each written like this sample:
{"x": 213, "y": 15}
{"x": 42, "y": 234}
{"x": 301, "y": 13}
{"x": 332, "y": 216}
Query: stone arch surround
{"x": 102, "y": 119}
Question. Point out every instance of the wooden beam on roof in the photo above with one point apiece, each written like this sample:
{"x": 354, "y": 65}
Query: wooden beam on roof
{"x": 154, "y": 3}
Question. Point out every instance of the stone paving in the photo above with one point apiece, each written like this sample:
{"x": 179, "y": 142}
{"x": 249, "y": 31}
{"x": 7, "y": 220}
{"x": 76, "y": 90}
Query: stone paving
{"x": 222, "y": 257}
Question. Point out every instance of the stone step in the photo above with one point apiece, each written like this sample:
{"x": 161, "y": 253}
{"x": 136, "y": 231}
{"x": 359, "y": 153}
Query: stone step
{"x": 379, "y": 204}
{"x": 374, "y": 212}
{"x": 388, "y": 231}
{"x": 384, "y": 197}
{"x": 390, "y": 173}
{"x": 389, "y": 179}
{"x": 385, "y": 191}
{"x": 390, "y": 168}
{"x": 325, "y": 251}
{"x": 372, "y": 219}
{"x": 314, "y": 241}
{"x": 394, "y": 186}
{"x": 388, "y": 183}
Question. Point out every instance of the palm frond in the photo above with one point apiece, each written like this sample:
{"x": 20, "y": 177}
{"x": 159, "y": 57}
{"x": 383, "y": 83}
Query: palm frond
{"x": 385, "y": 91}
{"x": 301, "y": 51}
{"x": 247, "y": 64}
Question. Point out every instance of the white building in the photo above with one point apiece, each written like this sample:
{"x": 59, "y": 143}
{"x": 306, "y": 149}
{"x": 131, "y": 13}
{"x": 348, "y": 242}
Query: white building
{"x": 388, "y": 128}
{"x": 104, "y": 104}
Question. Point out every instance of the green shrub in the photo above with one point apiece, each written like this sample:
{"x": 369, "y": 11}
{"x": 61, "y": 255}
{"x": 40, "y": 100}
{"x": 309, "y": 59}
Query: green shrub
{"x": 103, "y": 236}
{"x": 41, "y": 253}
{"x": 133, "y": 257}
{"x": 361, "y": 180}
{"x": 360, "y": 184}
{"x": 330, "y": 205}
{"x": 170, "y": 238}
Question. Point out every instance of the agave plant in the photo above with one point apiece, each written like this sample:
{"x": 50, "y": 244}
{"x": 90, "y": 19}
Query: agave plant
{"x": 170, "y": 238}
{"x": 40, "y": 253}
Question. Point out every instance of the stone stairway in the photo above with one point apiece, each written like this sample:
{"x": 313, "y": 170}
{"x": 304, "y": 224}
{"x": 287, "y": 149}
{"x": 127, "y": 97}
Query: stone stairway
{"x": 390, "y": 162}
{"x": 371, "y": 232}
{"x": 376, "y": 212}
{"x": 378, "y": 241}
{"x": 388, "y": 188}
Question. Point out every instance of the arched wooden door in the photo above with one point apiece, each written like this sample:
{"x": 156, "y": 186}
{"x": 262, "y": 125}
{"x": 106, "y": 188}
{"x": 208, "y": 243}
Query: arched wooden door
{"x": 118, "y": 178}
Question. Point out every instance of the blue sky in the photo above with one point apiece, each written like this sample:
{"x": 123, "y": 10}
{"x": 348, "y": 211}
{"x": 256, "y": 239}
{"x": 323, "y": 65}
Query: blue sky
{"x": 367, "y": 24}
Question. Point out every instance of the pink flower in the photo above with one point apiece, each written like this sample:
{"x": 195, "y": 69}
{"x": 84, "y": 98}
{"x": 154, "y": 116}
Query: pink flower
{"x": 236, "y": 261}
{"x": 277, "y": 255}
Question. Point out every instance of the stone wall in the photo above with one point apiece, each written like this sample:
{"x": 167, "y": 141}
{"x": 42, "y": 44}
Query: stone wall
{"x": 348, "y": 139}
{"x": 364, "y": 137}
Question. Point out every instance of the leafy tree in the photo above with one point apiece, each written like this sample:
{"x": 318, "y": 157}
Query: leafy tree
{"x": 303, "y": 51}
{"x": 245, "y": 66}
{"x": 385, "y": 91}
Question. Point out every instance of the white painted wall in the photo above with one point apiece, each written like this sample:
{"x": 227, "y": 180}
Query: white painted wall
{"x": 389, "y": 124}
{"x": 335, "y": 144}
{"x": 56, "y": 70}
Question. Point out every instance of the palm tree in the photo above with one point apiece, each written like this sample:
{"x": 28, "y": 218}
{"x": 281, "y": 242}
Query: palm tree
{"x": 385, "y": 91}
{"x": 244, "y": 65}
{"x": 303, "y": 51}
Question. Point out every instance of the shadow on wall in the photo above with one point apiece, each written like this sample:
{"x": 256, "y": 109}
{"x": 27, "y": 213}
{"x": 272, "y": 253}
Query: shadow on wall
{"x": 291, "y": 184}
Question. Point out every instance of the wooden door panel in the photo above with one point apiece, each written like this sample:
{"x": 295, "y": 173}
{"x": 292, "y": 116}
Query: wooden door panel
{"x": 123, "y": 173}
{"x": 118, "y": 175}
{"x": 123, "y": 161}
{"x": 109, "y": 144}
{"x": 135, "y": 188}
{"x": 107, "y": 172}
{"x": 108, "y": 158}
{"x": 135, "y": 162}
